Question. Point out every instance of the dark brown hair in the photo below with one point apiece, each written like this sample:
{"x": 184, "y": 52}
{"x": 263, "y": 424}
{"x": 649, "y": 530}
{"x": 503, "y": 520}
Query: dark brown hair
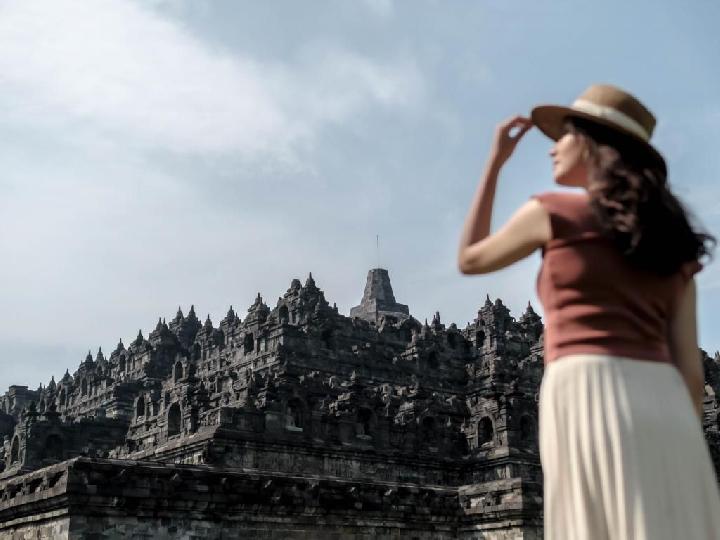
{"x": 630, "y": 196}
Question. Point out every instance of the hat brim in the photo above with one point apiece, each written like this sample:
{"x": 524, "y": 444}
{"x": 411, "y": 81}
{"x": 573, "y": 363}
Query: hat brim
{"x": 550, "y": 119}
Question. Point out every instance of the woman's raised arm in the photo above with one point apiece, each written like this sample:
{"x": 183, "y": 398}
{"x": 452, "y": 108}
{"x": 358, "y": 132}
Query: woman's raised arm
{"x": 527, "y": 229}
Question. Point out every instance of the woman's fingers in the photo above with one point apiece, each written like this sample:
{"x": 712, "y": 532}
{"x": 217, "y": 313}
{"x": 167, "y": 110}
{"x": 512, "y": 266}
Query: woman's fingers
{"x": 518, "y": 131}
{"x": 517, "y": 120}
{"x": 507, "y": 135}
{"x": 517, "y": 126}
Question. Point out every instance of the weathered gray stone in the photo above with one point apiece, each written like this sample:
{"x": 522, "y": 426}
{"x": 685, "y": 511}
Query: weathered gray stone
{"x": 296, "y": 422}
{"x": 378, "y": 299}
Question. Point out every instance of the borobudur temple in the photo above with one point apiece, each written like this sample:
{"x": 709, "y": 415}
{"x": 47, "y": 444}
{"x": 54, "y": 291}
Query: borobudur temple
{"x": 294, "y": 422}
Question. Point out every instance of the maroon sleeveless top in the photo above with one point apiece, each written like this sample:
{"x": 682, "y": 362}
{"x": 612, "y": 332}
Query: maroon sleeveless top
{"x": 594, "y": 301}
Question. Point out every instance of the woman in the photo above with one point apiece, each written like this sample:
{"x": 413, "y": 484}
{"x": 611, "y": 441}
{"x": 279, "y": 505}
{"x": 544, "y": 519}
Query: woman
{"x": 621, "y": 400}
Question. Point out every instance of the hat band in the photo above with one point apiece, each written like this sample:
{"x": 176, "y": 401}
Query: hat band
{"x": 615, "y": 116}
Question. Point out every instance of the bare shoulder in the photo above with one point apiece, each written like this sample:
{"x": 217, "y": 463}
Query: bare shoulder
{"x": 527, "y": 230}
{"x": 533, "y": 209}
{"x": 533, "y": 218}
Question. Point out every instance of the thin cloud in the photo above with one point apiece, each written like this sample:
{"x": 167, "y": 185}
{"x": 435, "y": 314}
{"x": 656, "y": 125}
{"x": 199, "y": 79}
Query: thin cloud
{"x": 113, "y": 69}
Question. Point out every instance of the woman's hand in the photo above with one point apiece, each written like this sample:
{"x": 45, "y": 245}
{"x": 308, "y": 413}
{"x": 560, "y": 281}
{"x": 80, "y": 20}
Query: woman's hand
{"x": 477, "y": 223}
{"x": 507, "y": 135}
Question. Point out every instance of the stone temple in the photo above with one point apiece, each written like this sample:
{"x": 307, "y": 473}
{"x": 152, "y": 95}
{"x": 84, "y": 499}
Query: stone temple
{"x": 294, "y": 422}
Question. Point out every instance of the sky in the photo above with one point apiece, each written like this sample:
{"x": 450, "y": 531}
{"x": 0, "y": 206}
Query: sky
{"x": 172, "y": 153}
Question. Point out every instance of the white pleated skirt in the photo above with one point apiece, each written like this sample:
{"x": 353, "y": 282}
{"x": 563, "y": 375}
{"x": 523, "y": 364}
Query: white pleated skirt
{"x": 623, "y": 453}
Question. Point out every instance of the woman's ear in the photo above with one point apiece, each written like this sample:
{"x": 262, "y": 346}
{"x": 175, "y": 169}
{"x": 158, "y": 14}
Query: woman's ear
{"x": 585, "y": 152}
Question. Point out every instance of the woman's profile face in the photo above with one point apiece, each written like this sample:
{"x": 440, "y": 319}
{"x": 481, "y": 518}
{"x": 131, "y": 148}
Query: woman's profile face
{"x": 569, "y": 168}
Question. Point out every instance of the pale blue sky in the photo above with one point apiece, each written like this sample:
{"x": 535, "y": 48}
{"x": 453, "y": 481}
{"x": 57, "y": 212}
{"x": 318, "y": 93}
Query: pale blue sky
{"x": 169, "y": 153}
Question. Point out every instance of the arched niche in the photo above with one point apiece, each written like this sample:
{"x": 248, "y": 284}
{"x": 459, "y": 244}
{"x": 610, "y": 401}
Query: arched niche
{"x": 15, "y": 451}
{"x": 140, "y": 407}
{"x": 485, "y": 431}
{"x": 53, "y": 448}
{"x": 294, "y": 415}
{"x": 173, "y": 420}
{"x": 364, "y": 422}
{"x": 248, "y": 343}
{"x": 178, "y": 371}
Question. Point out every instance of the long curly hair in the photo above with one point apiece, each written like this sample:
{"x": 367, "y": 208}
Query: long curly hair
{"x": 630, "y": 196}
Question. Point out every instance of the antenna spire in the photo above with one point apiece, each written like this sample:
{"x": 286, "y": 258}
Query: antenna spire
{"x": 377, "y": 250}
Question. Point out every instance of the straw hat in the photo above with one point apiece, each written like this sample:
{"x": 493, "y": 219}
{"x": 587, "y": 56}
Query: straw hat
{"x": 606, "y": 105}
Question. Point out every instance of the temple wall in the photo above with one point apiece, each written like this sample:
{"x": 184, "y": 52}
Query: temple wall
{"x": 37, "y": 527}
{"x": 260, "y": 528}
{"x": 95, "y": 499}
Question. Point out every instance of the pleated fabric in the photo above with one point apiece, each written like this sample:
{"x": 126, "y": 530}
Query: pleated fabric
{"x": 623, "y": 453}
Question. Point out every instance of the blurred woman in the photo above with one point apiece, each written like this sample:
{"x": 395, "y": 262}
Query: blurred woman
{"x": 621, "y": 400}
